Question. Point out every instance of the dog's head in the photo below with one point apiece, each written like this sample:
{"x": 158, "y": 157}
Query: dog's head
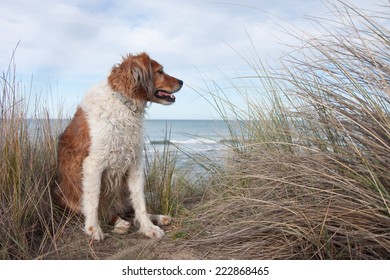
{"x": 143, "y": 79}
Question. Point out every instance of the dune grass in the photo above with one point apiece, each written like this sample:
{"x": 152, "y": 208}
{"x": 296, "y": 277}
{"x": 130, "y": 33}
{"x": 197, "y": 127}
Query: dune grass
{"x": 27, "y": 168}
{"x": 167, "y": 187}
{"x": 310, "y": 174}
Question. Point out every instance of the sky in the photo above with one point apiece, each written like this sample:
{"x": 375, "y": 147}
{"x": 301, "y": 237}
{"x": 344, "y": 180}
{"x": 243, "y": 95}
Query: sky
{"x": 62, "y": 48}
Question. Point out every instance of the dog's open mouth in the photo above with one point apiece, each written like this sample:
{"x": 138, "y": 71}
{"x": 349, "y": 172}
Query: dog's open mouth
{"x": 162, "y": 94}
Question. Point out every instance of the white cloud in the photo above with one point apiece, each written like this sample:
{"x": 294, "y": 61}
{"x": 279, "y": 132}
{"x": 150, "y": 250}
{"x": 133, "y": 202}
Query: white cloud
{"x": 75, "y": 43}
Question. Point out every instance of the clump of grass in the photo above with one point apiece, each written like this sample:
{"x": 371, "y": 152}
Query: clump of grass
{"x": 159, "y": 170}
{"x": 27, "y": 168}
{"x": 310, "y": 176}
{"x": 167, "y": 187}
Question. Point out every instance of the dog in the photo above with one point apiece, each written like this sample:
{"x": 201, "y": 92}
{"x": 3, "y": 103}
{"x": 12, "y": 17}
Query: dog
{"x": 100, "y": 166}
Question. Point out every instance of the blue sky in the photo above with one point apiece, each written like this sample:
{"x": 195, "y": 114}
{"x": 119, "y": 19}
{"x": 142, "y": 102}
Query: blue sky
{"x": 68, "y": 46}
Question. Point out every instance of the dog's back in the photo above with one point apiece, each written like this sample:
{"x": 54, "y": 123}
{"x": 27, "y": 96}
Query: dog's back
{"x": 73, "y": 148}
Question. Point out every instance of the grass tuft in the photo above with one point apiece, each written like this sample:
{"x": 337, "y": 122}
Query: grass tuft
{"x": 27, "y": 168}
{"x": 309, "y": 176}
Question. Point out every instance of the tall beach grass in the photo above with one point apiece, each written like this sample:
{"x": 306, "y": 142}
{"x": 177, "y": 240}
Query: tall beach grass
{"x": 310, "y": 174}
{"x": 27, "y": 168}
{"x": 167, "y": 186}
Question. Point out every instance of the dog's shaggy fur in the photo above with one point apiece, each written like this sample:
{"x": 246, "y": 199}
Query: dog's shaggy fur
{"x": 100, "y": 168}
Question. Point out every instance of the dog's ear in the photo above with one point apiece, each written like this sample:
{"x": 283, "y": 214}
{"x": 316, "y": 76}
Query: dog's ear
{"x": 143, "y": 76}
{"x": 133, "y": 77}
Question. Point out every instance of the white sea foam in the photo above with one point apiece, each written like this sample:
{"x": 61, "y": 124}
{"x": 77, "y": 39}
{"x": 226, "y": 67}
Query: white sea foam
{"x": 194, "y": 141}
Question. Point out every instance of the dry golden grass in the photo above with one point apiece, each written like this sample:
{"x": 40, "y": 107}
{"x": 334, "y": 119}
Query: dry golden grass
{"x": 27, "y": 168}
{"x": 310, "y": 175}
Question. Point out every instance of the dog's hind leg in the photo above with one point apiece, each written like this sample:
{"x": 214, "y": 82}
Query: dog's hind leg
{"x": 120, "y": 226}
{"x": 161, "y": 220}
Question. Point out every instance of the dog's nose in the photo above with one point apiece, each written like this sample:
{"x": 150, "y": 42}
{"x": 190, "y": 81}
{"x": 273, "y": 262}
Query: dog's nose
{"x": 180, "y": 82}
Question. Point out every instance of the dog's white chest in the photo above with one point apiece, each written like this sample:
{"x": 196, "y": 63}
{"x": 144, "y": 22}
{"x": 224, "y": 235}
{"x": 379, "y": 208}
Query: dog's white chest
{"x": 123, "y": 143}
{"x": 116, "y": 130}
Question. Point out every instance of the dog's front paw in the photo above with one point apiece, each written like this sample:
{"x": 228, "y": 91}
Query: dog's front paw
{"x": 95, "y": 232}
{"x": 153, "y": 232}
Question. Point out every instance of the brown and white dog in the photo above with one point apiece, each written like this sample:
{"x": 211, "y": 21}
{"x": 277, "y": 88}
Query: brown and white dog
{"x": 100, "y": 167}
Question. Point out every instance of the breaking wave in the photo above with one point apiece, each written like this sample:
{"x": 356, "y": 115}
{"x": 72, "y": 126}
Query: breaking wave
{"x": 192, "y": 141}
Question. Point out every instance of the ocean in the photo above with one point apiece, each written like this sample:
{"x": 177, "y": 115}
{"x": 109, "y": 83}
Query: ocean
{"x": 195, "y": 135}
{"x": 190, "y": 138}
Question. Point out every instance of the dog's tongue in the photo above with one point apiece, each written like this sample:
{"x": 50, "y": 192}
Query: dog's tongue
{"x": 163, "y": 93}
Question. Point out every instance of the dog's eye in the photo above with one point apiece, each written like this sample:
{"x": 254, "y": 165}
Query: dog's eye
{"x": 160, "y": 71}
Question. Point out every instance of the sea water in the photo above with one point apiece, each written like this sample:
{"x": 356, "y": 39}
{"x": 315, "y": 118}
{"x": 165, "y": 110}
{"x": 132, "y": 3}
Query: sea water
{"x": 193, "y": 135}
{"x": 190, "y": 139}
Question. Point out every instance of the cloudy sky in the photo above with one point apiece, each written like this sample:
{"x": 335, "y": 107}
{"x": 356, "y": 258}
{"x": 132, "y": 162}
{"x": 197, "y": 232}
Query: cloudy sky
{"x": 65, "y": 47}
